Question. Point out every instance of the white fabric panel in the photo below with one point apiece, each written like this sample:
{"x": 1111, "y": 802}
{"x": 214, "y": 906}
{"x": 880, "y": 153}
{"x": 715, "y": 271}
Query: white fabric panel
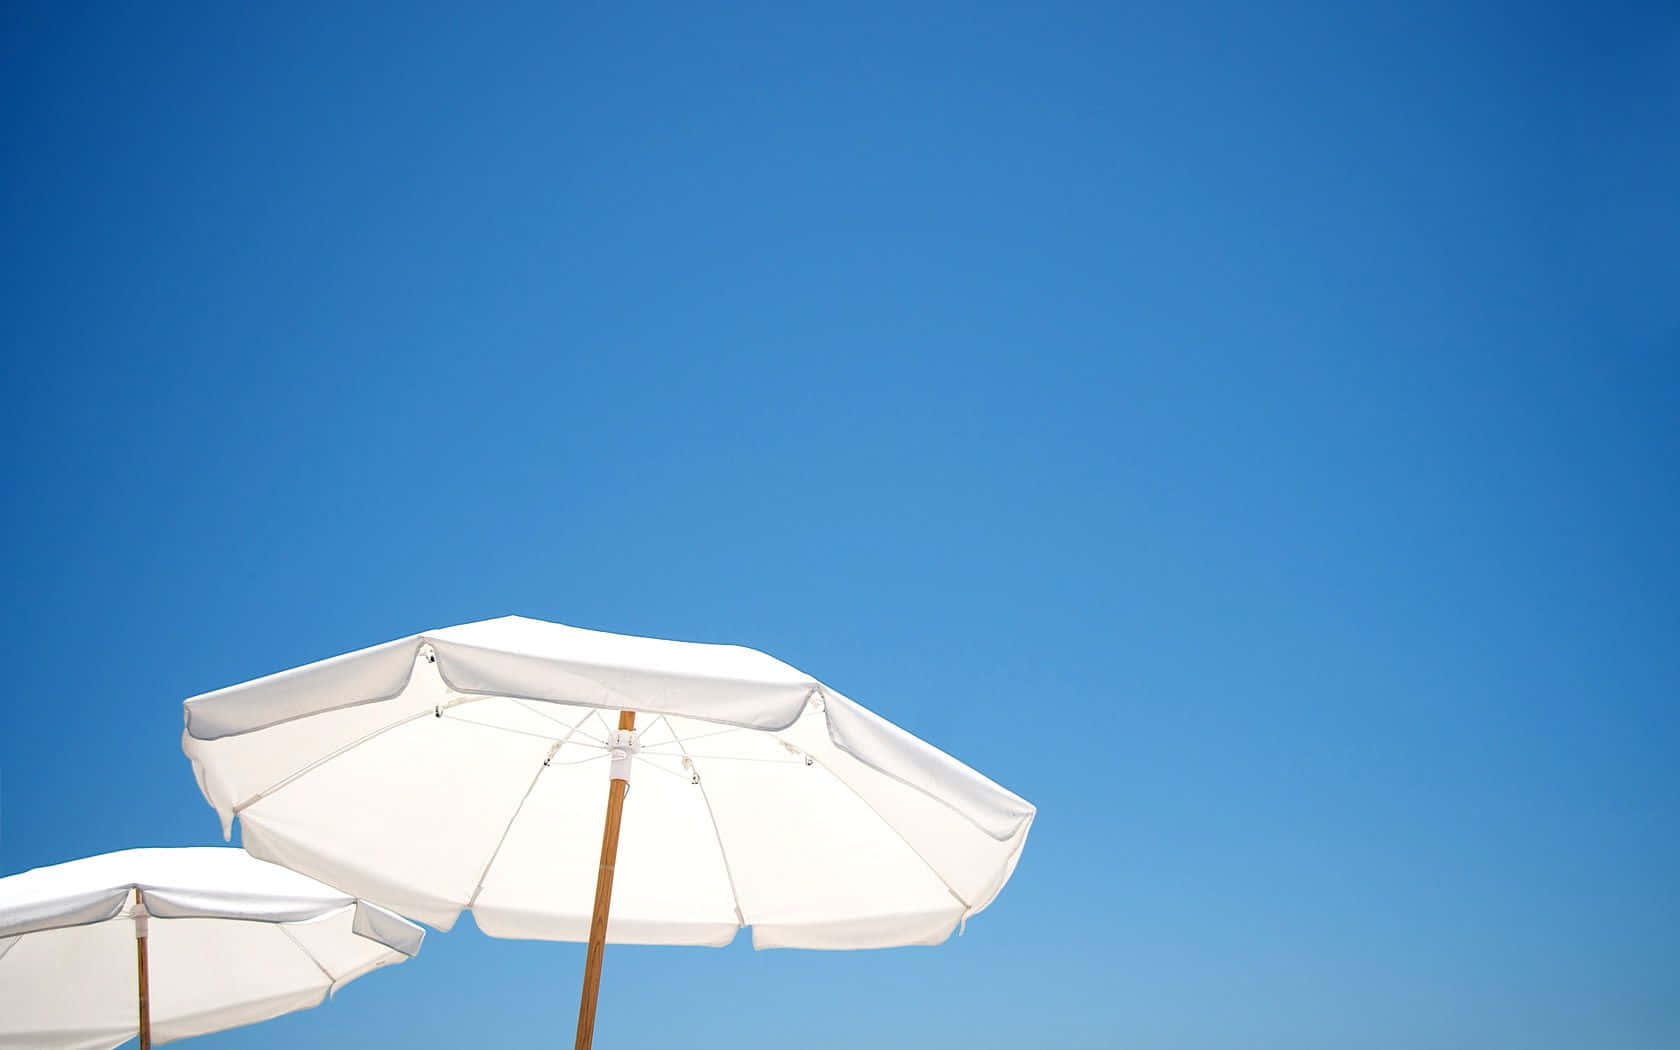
{"x": 409, "y": 818}
{"x": 515, "y": 656}
{"x": 381, "y": 926}
{"x": 874, "y": 741}
{"x": 482, "y": 782}
{"x": 812, "y": 862}
{"x": 670, "y": 886}
{"x": 243, "y": 972}
{"x": 192, "y": 882}
{"x": 231, "y": 941}
{"x": 72, "y": 987}
{"x": 337, "y": 946}
{"x": 246, "y": 765}
{"x": 376, "y": 673}
{"x": 967, "y": 856}
{"x": 31, "y": 908}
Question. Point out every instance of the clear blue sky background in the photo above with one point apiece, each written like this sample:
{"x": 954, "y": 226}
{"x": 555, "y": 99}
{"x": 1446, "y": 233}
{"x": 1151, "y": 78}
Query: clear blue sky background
{"x": 1248, "y": 431}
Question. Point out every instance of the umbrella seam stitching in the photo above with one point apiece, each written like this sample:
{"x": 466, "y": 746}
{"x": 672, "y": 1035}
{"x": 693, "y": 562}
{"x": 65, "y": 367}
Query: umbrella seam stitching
{"x": 291, "y": 778}
{"x": 520, "y": 808}
{"x": 524, "y": 732}
{"x": 571, "y": 730}
{"x": 717, "y": 832}
{"x": 408, "y": 679}
{"x": 828, "y": 725}
{"x": 893, "y": 828}
{"x": 332, "y": 982}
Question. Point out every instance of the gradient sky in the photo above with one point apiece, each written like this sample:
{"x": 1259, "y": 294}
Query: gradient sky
{"x": 1247, "y": 431}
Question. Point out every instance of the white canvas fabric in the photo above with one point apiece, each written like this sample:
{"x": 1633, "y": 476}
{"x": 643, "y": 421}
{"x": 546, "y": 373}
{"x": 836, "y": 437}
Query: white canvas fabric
{"x": 231, "y": 940}
{"x": 467, "y": 768}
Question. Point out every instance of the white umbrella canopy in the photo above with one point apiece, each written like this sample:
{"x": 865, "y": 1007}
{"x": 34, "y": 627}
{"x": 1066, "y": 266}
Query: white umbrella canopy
{"x": 223, "y": 940}
{"x": 466, "y": 768}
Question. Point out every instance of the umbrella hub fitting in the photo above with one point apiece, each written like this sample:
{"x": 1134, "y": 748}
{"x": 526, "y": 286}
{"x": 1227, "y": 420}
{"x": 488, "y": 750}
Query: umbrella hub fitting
{"x": 142, "y": 919}
{"x": 623, "y": 744}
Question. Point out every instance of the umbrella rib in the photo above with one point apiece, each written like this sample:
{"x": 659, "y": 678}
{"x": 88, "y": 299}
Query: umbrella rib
{"x": 522, "y": 732}
{"x": 520, "y": 808}
{"x": 582, "y": 761}
{"x": 331, "y": 980}
{"x": 717, "y": 833}
{"x": 907, "y": 844}
{"x": 662, "y": 769}
{"x": 641, "y": 736}
{"x": 702, "y": 736}
{"x": 740, "y": 758}
{"x": 570, "y": 729}
{"x": 323, "y": 760}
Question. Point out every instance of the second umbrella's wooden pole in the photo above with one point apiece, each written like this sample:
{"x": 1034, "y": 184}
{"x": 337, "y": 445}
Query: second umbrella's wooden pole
{"x": 140, "y": 934}
{"x": 616, "y": 790}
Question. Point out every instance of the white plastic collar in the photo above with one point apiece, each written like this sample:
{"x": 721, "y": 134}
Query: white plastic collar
{"x": 623, "y": 745}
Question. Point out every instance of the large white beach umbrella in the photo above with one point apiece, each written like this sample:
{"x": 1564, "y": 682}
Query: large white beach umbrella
{"x": 466, "y": 768}
{"x": 170, "y": 943}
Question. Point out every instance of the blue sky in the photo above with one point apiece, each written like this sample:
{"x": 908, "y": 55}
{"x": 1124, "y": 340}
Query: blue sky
{"x": 1247, "y": 432}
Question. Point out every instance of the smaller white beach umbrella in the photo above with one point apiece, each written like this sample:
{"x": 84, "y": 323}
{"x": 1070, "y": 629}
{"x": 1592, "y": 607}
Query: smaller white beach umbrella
{"x": 171, "y": 943}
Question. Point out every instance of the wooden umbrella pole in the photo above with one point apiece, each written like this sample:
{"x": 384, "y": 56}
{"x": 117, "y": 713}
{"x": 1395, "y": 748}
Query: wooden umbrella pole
{"x": 616, "y": 790}
{"x": 145, "y": 984}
